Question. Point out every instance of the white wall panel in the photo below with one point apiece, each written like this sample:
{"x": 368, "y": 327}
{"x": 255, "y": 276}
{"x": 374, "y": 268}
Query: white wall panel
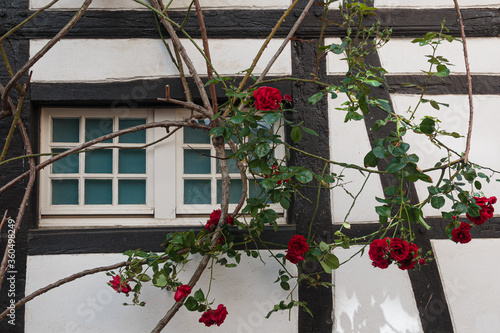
{"x": 334, "y": 62}
{"x": 426, "y": 4}
{"x": 369, "y": 299}
{"x": 485, "y": 136}
{"x": 469, "y": 273}
{"x": 176, "y": 4}
{"x": 349, "y": 143}
{"x": 90, "y": 305}
{"x": 92, "y": 60}
{"x": 399, "y": 56}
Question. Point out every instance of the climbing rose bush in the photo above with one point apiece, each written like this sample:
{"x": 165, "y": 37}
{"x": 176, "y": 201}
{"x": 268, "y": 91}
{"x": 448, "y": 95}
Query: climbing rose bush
{"x": 297, "y": 246}
{"x": 385, "y": 251}
{"x": 267, "y": 98}
{"x": 214, "y": 219}
{"x": 214, "y": 317}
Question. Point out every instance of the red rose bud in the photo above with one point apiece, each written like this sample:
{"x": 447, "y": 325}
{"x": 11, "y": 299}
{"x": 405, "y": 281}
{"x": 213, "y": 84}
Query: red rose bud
{"x": 182, "y": 291}
{"x": 267, "y": 98}
{"x": 287, "y": 98}
{"x": 462, "y": 233}
{"x": 119, "y": 286}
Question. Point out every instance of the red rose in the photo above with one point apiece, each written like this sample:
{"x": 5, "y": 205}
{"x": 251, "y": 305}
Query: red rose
{"x": 119, "y": 285}
{"x": 214, "y": 220}
{"x": 287, "y": 98}
{"x": 461, "y": 234}
{"x": 267, "y": 98}
{"x": 411, "y": 259}
{"x": 422, "y": 262}
{"x": 486, "y": 210}
{"x": 211, "y": 317}
{"x": 182, "y": 291}
{"x": 379, "y": 253}
{"x": 399, "y": 249}
{"x": 297, "y": 246}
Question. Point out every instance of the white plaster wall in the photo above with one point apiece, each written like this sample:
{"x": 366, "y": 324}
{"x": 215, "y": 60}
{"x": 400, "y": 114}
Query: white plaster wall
{"x": 90, "y": 305}
{"x": 436, "y": 3}
{"x": 77, "y": 60}
{"x": 349, "y": 143}
{"x": 334, "y": 62}
{"x": 372, "y": 300}
{"x": 399, "y": 56}
{"x": 176, "y": 4}
{"x": 469, "y": 273}
{"x": 485, "y": 142}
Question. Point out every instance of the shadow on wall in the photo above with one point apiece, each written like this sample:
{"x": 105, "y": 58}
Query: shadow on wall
{"x": 371, "y": 300}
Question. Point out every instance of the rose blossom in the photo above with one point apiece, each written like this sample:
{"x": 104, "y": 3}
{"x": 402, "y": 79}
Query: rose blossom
{"x": 287, "y": 98}
{"x": 297, "y": 246}
{"x": 214, "y": 220}
{"x": 211, "y": 317}
{"x": 182, "y": 291}
{"x": 486, "y": 210}
{"x": 379, "y": 253}
{"x": 461, "y": 234}
{"x": 267, "y": 98}
{"x": 411, "y": 259}
{"x": 119, "y": 285}
{"x": 399, "y": 249}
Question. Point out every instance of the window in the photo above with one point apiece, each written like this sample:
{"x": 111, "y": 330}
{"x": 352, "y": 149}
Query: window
{"x": 122, "y": 182}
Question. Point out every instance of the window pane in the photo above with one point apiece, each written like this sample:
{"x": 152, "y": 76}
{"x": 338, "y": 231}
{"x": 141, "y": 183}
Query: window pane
{"x": 65, "y": 129}
{"x": 231, "y": 163}
{"x": 131, "y": 192}
{"x": 98, "y": 192}
{"x": 64, "y": 191}
{"x": 68, "y": 164}
{"x": 255, "y": 190}
{"x": 196, "y": 135}
{"x": 197, "y": 192}
{"x": 132, "y": 161}
{"x": 235, "y": 189}
{"x": 99, "y": 161}
{"x": 96, "y": 127}
{"x": 195, "y": 163}
{"x": 136, "y": 137}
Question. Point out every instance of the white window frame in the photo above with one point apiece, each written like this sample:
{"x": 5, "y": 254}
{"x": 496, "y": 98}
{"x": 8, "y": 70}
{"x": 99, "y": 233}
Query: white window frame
{"x": 164, "y": 184}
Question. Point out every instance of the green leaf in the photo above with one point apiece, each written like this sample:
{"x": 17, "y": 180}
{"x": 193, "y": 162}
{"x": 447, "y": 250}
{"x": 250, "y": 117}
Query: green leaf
{"x": 191, "y": 304}
{"x": 309, "y": 131}
{"x": 384, "y": 211}
{"x": 296, "y": 134}
{"x": 380, "y": 152}
{"x": 143, "y": 277}
{"x": 271, "y": 118}
{"x": 262, "y": 149}
{"x": 460, "y": 208}
{"x": 370, "y": 160}
{"x": 477, "y": 185}
{"x": 285, "y": 285}
{"x": 443, "y": 71}
{"x": 304, "y": 176}
{"x": 237, "y": 119}
{"x": 437, "y": 202}
{"x": 434, "y": 104}
{"x": 373, "y": 83}
{"x": 217, "y": 131}
{"x": 315, "y": 98}
{"x": 395, "y": 165}
{"x": 160, "y": 280}
{"x": 422, "y": 222}
{"x": 332, "y": 261}
{"x": 323, "y": 247}
{"x": 199, "y": 295}
{"x": 285, "y": 203}
{"x": 428, "y": 126}
{"x": 391, "y": 190}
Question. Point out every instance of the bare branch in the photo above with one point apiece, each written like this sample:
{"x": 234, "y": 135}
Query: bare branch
{"x": 42, "y": 52}
{"x": 469, "y": 82}
{"x": 187, "y": 105}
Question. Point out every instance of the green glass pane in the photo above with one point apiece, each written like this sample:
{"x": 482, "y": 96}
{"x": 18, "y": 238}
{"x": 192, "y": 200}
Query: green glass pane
{"x": 235, "y": 189}
{"x": 132, "y": 161}
{"x": 65, "y": 129}
{"x": 99, "y": 161}
{"x": 255, "y": 190}
{"x": 136, "y": 137}
{"x": 98, "y": 192}
{"x": 132, "y": 191}
{"x": 231, "y": 164}
{"x": 197, "y": 192}
{"x": 96, "y": 127}
{"x": 196, "y": 135}
{"x": 64, "y": 191}
{"x": 195, "y": 162}
{"x": 68, "y": 164}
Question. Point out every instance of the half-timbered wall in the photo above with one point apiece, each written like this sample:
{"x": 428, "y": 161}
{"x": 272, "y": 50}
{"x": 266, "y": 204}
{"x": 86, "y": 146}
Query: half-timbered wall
{"x": 113, "y": 58}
